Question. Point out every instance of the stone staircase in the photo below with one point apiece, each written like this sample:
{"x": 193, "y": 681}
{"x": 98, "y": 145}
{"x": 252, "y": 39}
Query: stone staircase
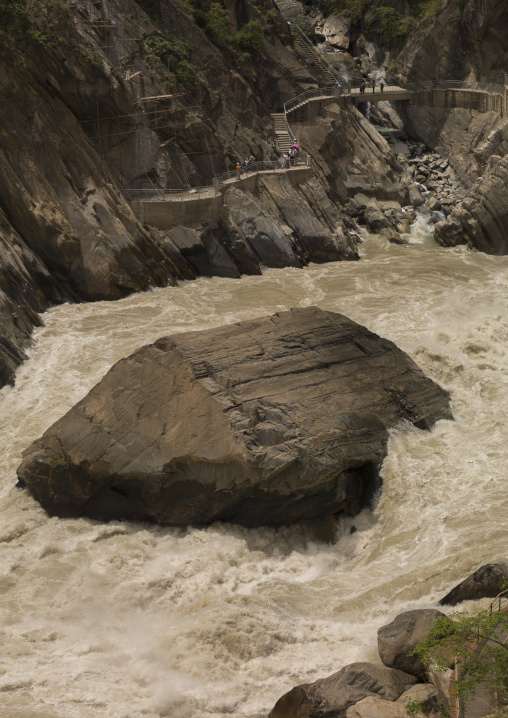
{"x": 284, "y": 139}
{"x": 312, "y": 58}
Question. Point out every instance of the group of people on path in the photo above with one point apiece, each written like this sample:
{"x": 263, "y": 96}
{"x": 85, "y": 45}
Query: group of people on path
{"x": 290, "y": 158}
{"x": 363, "y": 85}
{"x": 247, "y": 166}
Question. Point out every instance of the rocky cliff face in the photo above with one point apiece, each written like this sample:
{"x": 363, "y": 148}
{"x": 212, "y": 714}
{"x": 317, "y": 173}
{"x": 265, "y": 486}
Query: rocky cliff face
{"x": 76, "y": 132}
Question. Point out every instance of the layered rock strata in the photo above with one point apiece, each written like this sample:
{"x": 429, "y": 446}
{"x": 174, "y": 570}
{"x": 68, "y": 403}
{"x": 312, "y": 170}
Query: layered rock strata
{"x": 481, "y": 220}
{"x": 271, "y": 421}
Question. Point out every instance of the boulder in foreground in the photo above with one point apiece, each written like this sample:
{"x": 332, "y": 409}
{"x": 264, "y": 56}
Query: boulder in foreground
{"x": 332, "y": 696}
{"x": 269, "y": 421}
{"x": 398, "y": 639}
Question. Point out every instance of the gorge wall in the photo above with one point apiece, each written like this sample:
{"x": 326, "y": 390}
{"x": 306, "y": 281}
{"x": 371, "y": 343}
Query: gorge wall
{"x": 76, "y": 132}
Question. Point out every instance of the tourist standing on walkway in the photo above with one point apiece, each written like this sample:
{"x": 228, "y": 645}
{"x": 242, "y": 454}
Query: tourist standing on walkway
{"x": 382, "y": 85}
{"x": 434, "y": 82}
{"x": 308, "y": 159}
{"x": 362, "y": 87}
{"x": 238, "y": 170}
{"x": 373, "y": 85}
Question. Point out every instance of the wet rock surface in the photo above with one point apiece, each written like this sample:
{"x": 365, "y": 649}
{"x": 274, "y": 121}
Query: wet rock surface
{"x": 486, "y": 582}
{"x": 331, "y": 697}
{"x": 400, "y": 637}
{"x": 271, "y": 421}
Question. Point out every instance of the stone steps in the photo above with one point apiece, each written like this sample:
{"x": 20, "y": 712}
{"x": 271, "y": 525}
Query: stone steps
{"x": 284, "y": 140}
{"x": 313, "y": 58}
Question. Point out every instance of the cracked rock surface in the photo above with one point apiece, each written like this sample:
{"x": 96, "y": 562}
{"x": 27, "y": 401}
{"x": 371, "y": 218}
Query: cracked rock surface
{"x": 270, "y": 421}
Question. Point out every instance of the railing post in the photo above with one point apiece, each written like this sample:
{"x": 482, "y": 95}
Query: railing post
{"x": 505, "y": 99}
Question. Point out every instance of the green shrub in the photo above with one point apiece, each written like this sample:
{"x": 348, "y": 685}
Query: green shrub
{"x": 272, "y": 18}
{"x": 16, "y": 26}
{"x": 250, "y": 36}
{"x": 173, "y": 54}
{"x": 216, "y": 24}
{"x": 429, "y": 8}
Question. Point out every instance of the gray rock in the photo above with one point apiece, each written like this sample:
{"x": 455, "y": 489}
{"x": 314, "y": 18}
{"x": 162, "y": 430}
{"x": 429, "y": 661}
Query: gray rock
{"x": 269, "y": 421}
{"x": 376, "y": 708}
{"x": 264, "y": 234}
{"x": 204, "y": 252}
{"x": 397, "y": 639}
{"x": 426, "y": 695}
{"x": 332, "y": 696}
{"x": 393, "y": 236}
{"x": 486, "y": 582}
{"x": 483, "y": 216}
{"x": 376, "y": 220}
{"x": 415, "y": 196}
{"x": 433, "y": 204}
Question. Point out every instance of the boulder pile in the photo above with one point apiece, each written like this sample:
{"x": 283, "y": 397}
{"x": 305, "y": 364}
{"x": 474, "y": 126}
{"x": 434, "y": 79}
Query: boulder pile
{"x": 368, "y": 690}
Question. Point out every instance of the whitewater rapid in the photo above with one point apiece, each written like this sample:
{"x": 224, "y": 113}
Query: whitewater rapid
{"x": 125, "y": 620}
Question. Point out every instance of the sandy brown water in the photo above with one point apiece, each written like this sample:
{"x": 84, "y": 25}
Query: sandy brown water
{"x": 124, "y": 620}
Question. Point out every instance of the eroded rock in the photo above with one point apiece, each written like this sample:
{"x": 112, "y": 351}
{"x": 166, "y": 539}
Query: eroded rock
{"x": 400, "y": 637}
{"x": 269, "y": 421}
{"x": 486, "y": 582}
{"x": 332, "y": 696}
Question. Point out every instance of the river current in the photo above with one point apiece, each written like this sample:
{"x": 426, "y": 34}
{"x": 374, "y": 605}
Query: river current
{"x": 123, "y": 620}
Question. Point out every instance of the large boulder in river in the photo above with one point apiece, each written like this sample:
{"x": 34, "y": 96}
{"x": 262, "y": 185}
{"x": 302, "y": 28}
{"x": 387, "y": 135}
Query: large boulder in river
{"x": 486, "y": 582}
{"x": 332, "y": 696}
{"x": 268, "y": 421}
{"x": 398, "y": 639}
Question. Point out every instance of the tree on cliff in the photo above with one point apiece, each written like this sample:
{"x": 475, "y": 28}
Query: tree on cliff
{"x": 476, "y": 644}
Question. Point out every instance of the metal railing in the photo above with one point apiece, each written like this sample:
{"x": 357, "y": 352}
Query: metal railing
{"x": 500, "y": 603}
{"x": 488, "y": 87}
{"x": 350, "y": 88}
{"x": 321, "y": 60}
{"x": 154, "y": 194}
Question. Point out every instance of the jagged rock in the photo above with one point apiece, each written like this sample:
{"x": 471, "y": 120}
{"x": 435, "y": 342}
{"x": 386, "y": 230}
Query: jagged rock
{"x": 397, "y": 639}
{"x": 441, "y": 680}
{"x": 392, "y": 236}
{"x": 261, "y": 230}
{"x": 486, "y": 582}
{"x": 203, "y": 252}
{"x": 449, "y": 233}
{"x": 433, "y": 204}
{"x": 376, "y": 708}
{"x": 426, "y": 695}
{"x": 316, "y": 225}
{"x": 332, "y": 696}
{"x": 483, "y": 216}
{"x": 375, "y": 219}
{"x": 336, "y": 31}
{"x": 415, "y": 196}
{"x": 269, "y": 421}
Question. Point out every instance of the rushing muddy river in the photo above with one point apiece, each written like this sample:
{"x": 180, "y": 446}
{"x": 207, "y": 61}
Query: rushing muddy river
{"x": 124, "y": 620}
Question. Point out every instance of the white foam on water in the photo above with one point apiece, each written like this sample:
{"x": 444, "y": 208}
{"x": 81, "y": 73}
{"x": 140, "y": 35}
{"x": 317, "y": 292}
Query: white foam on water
{"x": 125, "y": 620}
